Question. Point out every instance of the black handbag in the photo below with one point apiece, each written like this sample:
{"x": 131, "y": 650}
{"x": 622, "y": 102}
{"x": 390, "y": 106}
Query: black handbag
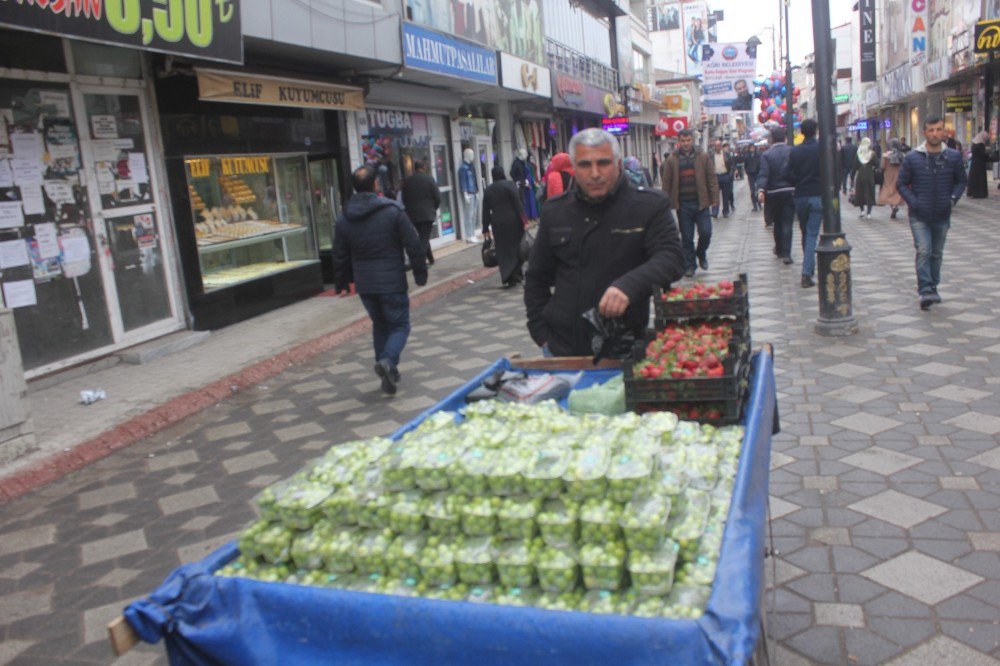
{"x": 490, "y": 253}
{"x": 879, "y": 176}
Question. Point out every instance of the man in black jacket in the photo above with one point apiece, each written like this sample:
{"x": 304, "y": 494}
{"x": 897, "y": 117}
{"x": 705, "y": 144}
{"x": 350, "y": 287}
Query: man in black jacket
{"x": 848, "y": 162}
{"x": 603, "y": 243}
{"x": 803, "y": 173}
{"x": 752, "y": 165}
{"x": 776, "y": 193}
{"x": 422, "y": 198}
{"x": 371, "y": 236}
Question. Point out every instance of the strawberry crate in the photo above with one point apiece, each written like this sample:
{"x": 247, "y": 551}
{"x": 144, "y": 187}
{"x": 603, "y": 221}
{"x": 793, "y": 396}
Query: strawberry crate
{"x": 685, "y": 307}
{"x": 730, "y": 386}
{"x": 727, "y": 412}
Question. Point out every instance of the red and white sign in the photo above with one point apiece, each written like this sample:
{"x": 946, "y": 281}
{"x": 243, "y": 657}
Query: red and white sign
{"x": 670, "y": 125}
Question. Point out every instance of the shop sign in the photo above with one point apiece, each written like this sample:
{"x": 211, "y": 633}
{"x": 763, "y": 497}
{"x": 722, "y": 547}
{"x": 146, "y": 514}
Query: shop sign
{"x": 240, "y": 166}
{"x": 896, "y": 84}
{"x": 671, "y": 125}
{"x": 918, "y": 31}
{"x": 221, "y": 86}
{"x": 961, "y": 51}
{"x": 618, "y": 125}
{"x": 675, "y": 97}
{"x": 936, "y": 70}
{"x": 572, "y": 93}
{"x": 957, "y": 103}
{"x": 433, "y": 52}
{"x": 987, "y": 36}
{"x": 381, "y": 122}
{"x": 519, "y": 74}
{"x": 842, "y": 99}
{"x": 866, "y": 11}
{"x": 208, "y": 29}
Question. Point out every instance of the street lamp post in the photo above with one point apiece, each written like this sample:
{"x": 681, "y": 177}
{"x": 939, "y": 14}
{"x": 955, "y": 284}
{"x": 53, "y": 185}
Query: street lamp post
{"x": 789, "y": 87}
{"x": 833, "y": 253}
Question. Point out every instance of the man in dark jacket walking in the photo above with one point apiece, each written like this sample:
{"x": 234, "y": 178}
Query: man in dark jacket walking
{"x": 848, "y": 163}
{"x": 777, "y": 194}
{"x": 803, "y": 173}
{"x": 602, "y": 244}
{"x": 751, "y": 163}
{"x": 422, "y": 198}
{"x": 371, "y": 236}
{"x": 689, "y": 180}
{"x": 931, "y": 180}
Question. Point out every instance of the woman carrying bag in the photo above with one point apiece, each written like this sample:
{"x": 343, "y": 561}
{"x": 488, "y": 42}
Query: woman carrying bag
{"x": 978, "y": 189}
{"x": 503, "y": 223}
{"x": 864, "y": 181}
{"x": 888, "y": 195}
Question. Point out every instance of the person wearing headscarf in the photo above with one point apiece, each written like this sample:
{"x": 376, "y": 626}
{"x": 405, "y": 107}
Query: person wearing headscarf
{"x": 635, "y": 173}
{"x": 888, "y": 195}
{"x": 977, "y": 167}
{"x": 864, "y": 180}
{"x": 503, "y": 220}
{"x": 559, "y": 175}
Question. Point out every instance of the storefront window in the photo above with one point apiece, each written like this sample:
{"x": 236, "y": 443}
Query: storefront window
{"x": 31, "y": 51}
{"x": 98, "y": 60}
{"x": 252, "y": 216}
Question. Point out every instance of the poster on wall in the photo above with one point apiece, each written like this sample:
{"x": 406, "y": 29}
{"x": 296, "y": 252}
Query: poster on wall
{"x": 695, "y": 16}
{"x": 728, "y": 73}
{"x": 473, "y": 20}
{"x": 62, "y": 147}
{"x": 664, "y": 16}
{"x": 519, "y": 29}
{"x": 432, "y": 13}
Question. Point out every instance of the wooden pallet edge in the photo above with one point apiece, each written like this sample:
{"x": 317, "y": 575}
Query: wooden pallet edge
{"x": 122, "y": 636}
{"x": 562, "y": 363}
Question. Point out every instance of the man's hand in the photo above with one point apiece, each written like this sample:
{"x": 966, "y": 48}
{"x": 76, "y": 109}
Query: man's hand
{"x": 760, "y": 197}
{"x": 613, "y": 303}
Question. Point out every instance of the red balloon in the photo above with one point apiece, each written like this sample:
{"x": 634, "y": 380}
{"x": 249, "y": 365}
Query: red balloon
{"x": 795, "y": 90}
{"x": 783, "y": 106}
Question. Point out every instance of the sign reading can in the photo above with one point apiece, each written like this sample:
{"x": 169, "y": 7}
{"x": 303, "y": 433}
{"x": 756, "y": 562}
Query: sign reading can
{"x": 519, "y": 74}
{"x": 988, "y": 36}
{"x": 219, "y": 86}
{"x": 208, "y": 29}
{"x": 957, "y": 103}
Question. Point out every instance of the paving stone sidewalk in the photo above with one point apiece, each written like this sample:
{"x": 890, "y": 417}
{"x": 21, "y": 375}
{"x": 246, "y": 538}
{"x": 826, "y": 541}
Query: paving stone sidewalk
{"x": 885, "y": 482}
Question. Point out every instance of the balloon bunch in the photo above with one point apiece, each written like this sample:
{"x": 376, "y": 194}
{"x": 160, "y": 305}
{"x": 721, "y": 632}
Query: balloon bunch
{"x": 775, "y": 97}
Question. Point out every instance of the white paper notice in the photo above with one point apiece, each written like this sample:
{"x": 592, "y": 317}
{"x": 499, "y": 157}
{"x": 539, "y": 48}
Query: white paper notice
{"x": 26, "y": 170}
{"x": 13, "y": 253}
{"x": 11, "y": 216}
{"x": 106, "y": 150}
{"x": 29, "y": 146}
{"x": 137, "y": 167}
{"x": 58, "y": 100}
{"x": 48, "y": 241}
{"x": 31, "y": 197}
{"x": 20, "y": 293}
{"x": 63, "y": 151}
{"x": 105, "y": 181}
{"x": 75, "y": 248}
{"x": 59, "y": 191}
{"x": 6, "y": 176}
{"x": 104, "y": 127}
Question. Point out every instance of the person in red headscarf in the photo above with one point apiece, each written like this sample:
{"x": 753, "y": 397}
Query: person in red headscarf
{"x": 559, "y": 175}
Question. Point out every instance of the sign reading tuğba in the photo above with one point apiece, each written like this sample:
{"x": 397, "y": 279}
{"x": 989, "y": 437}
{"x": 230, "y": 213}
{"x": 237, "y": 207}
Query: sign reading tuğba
{"x": 208, "y": 29}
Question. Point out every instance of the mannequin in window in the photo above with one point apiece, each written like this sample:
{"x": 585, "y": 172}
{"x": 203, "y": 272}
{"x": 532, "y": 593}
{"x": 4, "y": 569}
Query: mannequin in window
{"x": 523, "y": 174}
{"x": 468, "y": 184}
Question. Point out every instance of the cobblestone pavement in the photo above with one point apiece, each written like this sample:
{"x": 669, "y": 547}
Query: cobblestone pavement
{"x": 885, "y": 481}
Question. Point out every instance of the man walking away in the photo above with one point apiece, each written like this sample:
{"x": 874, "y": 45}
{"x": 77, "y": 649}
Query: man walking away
{"x": 371, "y": 236}
{"x": 931, "y": 180}
{"x": 803, "y": 173}
{"x": 777, "y": 194}
{"x": 848, "y": 163}
{"x": 688, "y": 178}
{"x": 422, "y": 199}
{"x": 722, "y": 161}
{"x": 752, "y": 165}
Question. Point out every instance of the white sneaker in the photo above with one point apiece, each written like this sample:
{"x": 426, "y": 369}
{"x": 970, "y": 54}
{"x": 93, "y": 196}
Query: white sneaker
{"x": 868, "y": 216}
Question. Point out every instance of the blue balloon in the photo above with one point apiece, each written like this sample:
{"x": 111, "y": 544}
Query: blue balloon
{"x": 772, "y": 108}
{"x": 784, "y": 90}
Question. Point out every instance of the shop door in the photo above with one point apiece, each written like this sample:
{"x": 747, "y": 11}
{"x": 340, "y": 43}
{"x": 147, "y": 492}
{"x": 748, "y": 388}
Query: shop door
{"x": 444, "y": 226}
{"x": 484, "y": 153}
{"x": 323, "y": 175}
{"x": 134, "y": 249}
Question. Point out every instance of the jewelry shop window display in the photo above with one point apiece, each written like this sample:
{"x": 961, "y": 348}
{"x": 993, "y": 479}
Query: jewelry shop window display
{"x": 252, "y": 216}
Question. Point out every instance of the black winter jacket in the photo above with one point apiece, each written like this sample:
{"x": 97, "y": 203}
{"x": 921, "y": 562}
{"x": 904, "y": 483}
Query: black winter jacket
{"x": 421, "y": 197}
{"x": 629, "y": 241}
{"x": 774, "y": 161}
{"x": 931, "y": 183}
{"x": 849, "y": 157}
{"x": 803, "y": 169}
{"x": 370, "y": 237}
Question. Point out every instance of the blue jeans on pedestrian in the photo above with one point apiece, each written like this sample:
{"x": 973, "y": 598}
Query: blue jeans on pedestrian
{"x": 690, "y": 218}
{"x": 726, "y": 192}
{"x": 928, "y": 239}
{"x": 390, "y": 315}
{"x": 810, "y": 212}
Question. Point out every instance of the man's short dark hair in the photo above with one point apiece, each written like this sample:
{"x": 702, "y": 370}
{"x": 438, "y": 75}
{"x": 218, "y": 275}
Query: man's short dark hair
{"x": 848, "y": 140}
{"x": 808, "y": 128}
{"x": 363, "y": 179}
{"x": 932, "y": 120}
{"x": 778, "y": 135}
{"x": 418, "y": 165}
{"x": 685, "y": 132}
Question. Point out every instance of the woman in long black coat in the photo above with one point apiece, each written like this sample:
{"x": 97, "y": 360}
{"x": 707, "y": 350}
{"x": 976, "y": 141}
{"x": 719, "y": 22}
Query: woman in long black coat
{"x": 503, "y": 218}
{"x": 977, "y": 188}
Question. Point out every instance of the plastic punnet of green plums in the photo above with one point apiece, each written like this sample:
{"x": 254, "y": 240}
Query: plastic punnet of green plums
{"x": 403, "y": 556}
{"x": 442, "y": 511}
{"x": 338, "y": 467}
{"x": 341, "y": 508}
{"x": 506, "y": 467}
{"x": 585, "y": 476}
{"x": 369, "y": 554}
{"x": 373, "y": 582}
{"x": 397, "y": 464}
{"x": 274, "y": 543}
{"x": 558, "y": 569}
{"x": 442, "y": 453}
{"x": 543, "y": 477}
{"x": 701, "y": 464}
{"x": 272, "y": 573}
{"x": 516, "y": 516}
{"x": 474, "y": 560}
{"x": 686, "y": 602}
{"x": 515, "y": 596}
{"x": 406, "y": 513}
{"x": 700, "y": 571}
{"x": 599, "y": 521}
{"x": 669, "y": 477}
{"x": 661, "y": 424}
{"x": 448, "y": 591}
{"x": 468, "y": 476}
{"x": 603, "y": 602}
{"x": 406, "y": 587}
{"x": 338, "y": 550}
{"x": 652, "y": 573}
{"x": 373, "y": 508}
{"x": 558, "y": 523}
{"x": 297, "y": 502}
{"x": 307, "y": 547}
{"x": 480, "y": 594}
{"x": 247, "y": 542}
{"x": 644, "y": 522}
{"x": 515, "y": 562}
{"x": 690, "y": 523}
{"x": 603, "y": 565}
{"x": 560, "y": 601}
{"x": 437, "y": 562}
{"x": 479, "y": 516}
{"x": 628, "y": 474}
{"x": 641, "y": 606}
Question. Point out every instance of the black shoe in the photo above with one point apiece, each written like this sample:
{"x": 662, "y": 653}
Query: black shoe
{"x": 926, "y": 301}
{"x": 777, "y": 253}
{"x": 703, "y": 262}
{"x": 935, "y": 298}
{"x": 689, "y": 272}
{"x": 388, "y": 375}
{"x": 807, "y": 282}
{"x": 787, "y": 260}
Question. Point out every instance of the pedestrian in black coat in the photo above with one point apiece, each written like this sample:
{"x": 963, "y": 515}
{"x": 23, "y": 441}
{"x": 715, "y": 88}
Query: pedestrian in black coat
{"x": 977, "y": 168}
{"x": 503, "y": 219}
{"x": 422, "y": 198}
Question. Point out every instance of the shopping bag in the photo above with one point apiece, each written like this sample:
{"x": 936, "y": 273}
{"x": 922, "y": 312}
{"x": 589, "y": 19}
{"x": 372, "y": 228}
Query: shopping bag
{"x": 527, "y": 240}
{"x": 490, "y": 253}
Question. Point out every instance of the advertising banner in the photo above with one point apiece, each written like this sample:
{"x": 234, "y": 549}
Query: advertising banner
{"x": 866, "y": 11}
{"x": 221, "y": 86}
{"x": 918, "y": 31}
{"x": 519, "y": 74}
{"x": 670, "y": 125}
{"x": 572, "y": 93}
{"x": 695, "y": 35}
{"x": 987, "y": 36}
{"x": 728, "y": 73}
{"x": 675, "y": 98}
{"x": 519, "y": 28}
{"x": 430, "y": 51}
{"x": 208, "y": 29}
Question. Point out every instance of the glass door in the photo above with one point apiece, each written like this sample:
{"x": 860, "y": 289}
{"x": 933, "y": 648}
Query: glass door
{"x": 444, "y": 226}
{"x": 324, "y": 178}
{"x": 484, "y": 152}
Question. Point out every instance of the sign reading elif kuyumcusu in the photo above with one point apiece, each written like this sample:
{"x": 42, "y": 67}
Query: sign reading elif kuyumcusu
{"x": 208, "y": 29}
{"x": 866, "y": 11}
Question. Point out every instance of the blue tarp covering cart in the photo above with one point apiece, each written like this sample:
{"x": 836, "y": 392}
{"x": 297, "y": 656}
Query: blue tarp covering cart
{"x": 208, "y": 619}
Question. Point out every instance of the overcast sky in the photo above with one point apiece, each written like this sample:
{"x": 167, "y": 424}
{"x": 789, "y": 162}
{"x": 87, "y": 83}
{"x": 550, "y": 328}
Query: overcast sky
{"x": 745, "y": 18}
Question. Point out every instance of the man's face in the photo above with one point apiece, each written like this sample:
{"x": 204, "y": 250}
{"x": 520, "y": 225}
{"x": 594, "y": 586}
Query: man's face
{"x": 685, "y": 143}
{"x": 596, "y": 169}
{"x": 741, "y": 87}
{"x": 717, "y": 146}
{"x": 934, "y": 134}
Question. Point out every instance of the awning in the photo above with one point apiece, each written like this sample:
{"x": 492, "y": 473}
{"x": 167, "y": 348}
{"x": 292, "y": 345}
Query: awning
{"x": 235, "y": 87}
